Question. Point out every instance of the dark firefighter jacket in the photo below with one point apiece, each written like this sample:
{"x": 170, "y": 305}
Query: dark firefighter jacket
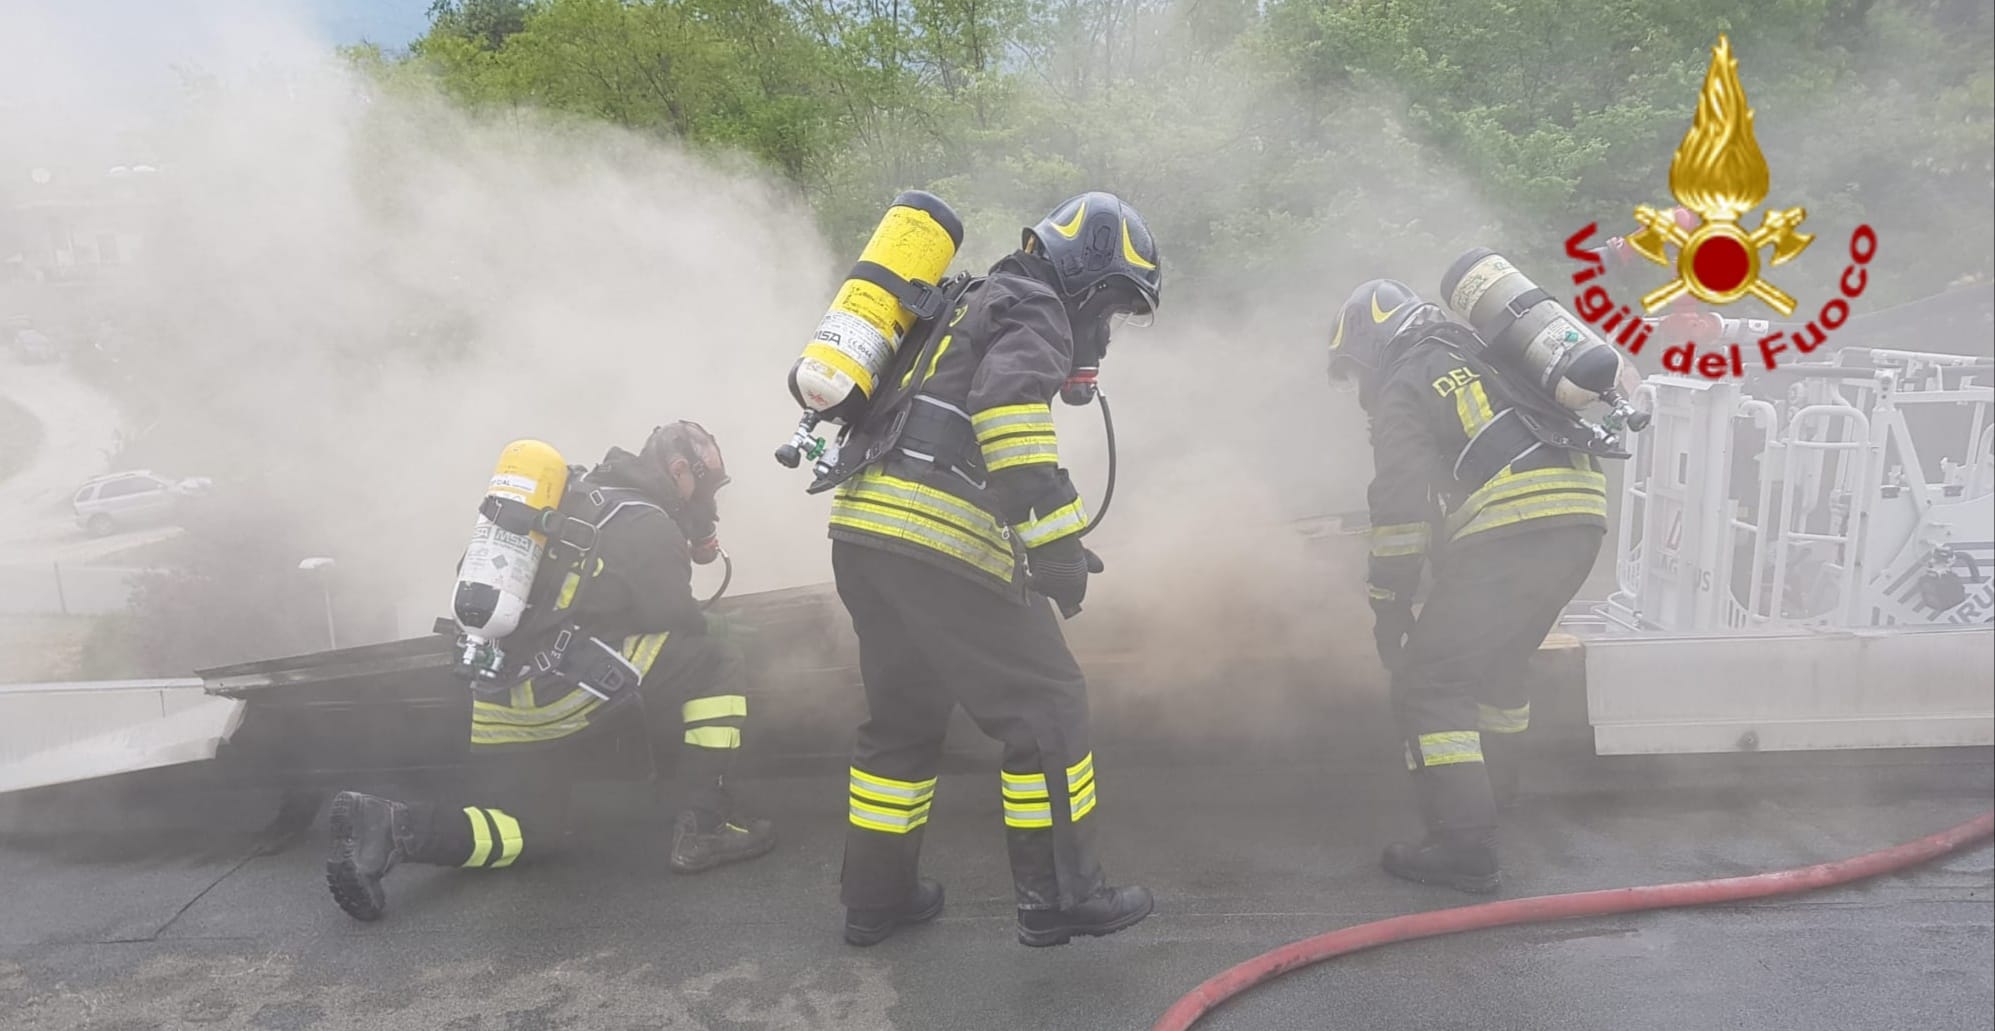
{"x": 1431, "y": 404}
{"x": 1002, "y": 354}
{"x": 633, "y": 590}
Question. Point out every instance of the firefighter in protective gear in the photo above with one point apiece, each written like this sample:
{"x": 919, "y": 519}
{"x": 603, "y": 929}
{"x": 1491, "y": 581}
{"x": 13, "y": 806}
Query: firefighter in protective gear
{"x": 1512, "y": 527}
{"x": 946, "y": 550}
{"x": 612, "y": 633}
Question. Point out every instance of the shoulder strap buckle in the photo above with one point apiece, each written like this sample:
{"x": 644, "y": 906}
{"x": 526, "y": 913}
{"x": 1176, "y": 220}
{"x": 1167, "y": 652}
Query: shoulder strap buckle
{"x": 925, "y": 300}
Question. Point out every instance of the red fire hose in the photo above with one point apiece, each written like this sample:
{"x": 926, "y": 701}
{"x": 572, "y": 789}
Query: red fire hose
{"x": 1203, "y": 999}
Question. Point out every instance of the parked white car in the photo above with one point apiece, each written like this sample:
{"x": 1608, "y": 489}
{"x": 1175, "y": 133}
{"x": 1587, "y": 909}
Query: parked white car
{"x": 123, "y": 500}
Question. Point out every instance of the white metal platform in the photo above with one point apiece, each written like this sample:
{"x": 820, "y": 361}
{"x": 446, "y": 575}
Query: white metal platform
{"x": 1809, "y": 569}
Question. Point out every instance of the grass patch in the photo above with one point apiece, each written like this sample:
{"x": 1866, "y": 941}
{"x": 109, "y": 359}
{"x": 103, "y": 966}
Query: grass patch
{"x": 20, "y": 435}
{"x": 43, "y": 648}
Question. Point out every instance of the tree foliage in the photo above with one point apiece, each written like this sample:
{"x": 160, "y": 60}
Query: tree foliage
{"x": 1242, "y": 128}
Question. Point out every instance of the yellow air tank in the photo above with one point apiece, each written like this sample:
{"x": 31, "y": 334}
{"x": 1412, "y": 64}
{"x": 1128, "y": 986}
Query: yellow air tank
{"x": 506, "y": 547}
{"x": 876, "y": 307}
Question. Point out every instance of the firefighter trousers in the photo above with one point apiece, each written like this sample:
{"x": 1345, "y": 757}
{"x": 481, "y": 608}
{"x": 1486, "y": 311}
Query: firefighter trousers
{"x": 1461, "y": 682}
{"x": 930, "y": 640}
{"x": 692, "y": 694}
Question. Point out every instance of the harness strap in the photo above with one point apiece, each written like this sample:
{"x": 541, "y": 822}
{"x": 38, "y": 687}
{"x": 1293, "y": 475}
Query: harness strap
{"x": 1500, "y": 442}
{"x": 939, "y": 435}
{"x": 886, "y": 418}
{"x": 925, "y": 300}
{"x": 515, "y": 516}
{"x": 1518, "y": 307}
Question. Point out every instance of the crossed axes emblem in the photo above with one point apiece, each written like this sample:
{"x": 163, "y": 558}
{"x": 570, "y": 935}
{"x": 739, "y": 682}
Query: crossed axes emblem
{"x": 1776, "y": 229}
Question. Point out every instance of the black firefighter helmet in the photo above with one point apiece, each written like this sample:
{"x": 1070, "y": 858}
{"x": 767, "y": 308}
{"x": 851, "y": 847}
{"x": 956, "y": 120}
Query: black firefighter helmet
{"x": 1377, "y": 312}
{"x": 1102, "y": 254}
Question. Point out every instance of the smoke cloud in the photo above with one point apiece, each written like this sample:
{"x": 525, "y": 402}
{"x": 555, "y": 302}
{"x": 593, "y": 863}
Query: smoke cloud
{"x": 366, "y": 293}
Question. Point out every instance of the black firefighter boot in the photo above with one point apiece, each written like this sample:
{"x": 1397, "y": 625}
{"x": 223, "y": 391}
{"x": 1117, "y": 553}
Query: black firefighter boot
{"x": 708, "y": 832}
{"x": 369, "y": 836}
{"x": 865, "y": 927}
{"x": 1459, "y": 850}
{"x": 1107, "y": 911}
{"x": 703, "y": 839}
{"x": 705, "y": 836}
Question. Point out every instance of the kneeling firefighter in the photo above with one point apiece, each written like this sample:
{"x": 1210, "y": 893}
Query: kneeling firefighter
{"x": 1513, "y": 524}
{"x": 611, "y": 632}
{"x": 952, "y": 525}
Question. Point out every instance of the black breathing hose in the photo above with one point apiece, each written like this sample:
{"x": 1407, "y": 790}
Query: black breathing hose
{"x": 726, "y": 577}
{"x": 1108, "y": 492}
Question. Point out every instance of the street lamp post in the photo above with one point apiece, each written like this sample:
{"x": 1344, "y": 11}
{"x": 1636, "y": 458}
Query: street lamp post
{"x": 320, "y": 566}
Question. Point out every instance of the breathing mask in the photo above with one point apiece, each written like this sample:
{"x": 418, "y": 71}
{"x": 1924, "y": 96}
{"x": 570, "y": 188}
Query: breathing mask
{"x": 1104, "y": 309}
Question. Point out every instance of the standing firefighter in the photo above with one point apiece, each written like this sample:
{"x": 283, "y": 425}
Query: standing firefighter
{"x": 940, "y": 542}
{"x": 1513, "y": 526}
{"x": 611, "y": 632}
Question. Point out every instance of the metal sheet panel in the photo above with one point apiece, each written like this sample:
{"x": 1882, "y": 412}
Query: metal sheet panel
{"x": 60, "y": 732}
{"x": 1792, "y": 691}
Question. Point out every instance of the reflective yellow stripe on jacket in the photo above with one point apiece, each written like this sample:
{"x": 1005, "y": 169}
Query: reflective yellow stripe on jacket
{"x": 1512, "y": 497}
{"x": 1015, "y": 435}
{"x": 521, "y": 719}
{"x": 1065, "y": 521}
{"x": 881, "y": 505}
{"x": 1399, "y": 539}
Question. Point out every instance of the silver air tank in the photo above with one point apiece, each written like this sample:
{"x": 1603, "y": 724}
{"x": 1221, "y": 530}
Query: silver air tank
{"x": 1532, "y": 334}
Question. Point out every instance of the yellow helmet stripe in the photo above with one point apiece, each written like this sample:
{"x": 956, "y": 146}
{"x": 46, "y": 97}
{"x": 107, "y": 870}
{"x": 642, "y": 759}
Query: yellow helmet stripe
{"x": 1073, "y": 228}
{"x": 1129, "y": 250}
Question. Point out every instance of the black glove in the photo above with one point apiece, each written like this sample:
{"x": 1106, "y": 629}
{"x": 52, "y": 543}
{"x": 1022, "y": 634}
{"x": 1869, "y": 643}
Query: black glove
{"x": 1392, "y": 622}
{"x": 1059, "y": 571}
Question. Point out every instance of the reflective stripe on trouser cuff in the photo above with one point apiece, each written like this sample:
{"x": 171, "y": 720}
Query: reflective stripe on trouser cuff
{"x": 1400, "y": 539}
{"x": 1080, "y": 788}
{"x": 714, "y": 737}
{"x": 717, "y": 707}
{"x": 994, "y": 422}
{"x": 1449, "y": 747}
{"x": 1069, "y": 518}
{"x": 1492, "y": 720}
{"x": 884, "y": 804}
{"x": 510, "y": 841}
{"x": 1011, "y": 452}
{"x": 1026, "y": 803}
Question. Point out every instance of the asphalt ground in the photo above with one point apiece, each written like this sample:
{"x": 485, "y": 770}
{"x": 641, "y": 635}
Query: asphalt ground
{"x": 132, "y": 910}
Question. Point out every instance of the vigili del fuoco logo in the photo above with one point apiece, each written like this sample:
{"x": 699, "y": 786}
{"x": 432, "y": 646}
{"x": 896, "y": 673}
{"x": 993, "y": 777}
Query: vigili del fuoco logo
{"x": 1718, "y": 176}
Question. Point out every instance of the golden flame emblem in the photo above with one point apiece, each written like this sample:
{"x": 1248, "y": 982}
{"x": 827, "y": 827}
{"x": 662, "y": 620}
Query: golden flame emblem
{"x": 1720, "y": 174}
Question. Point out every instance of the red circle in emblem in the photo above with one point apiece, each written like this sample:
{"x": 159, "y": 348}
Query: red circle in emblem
{"x": 1721, "y": 264}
